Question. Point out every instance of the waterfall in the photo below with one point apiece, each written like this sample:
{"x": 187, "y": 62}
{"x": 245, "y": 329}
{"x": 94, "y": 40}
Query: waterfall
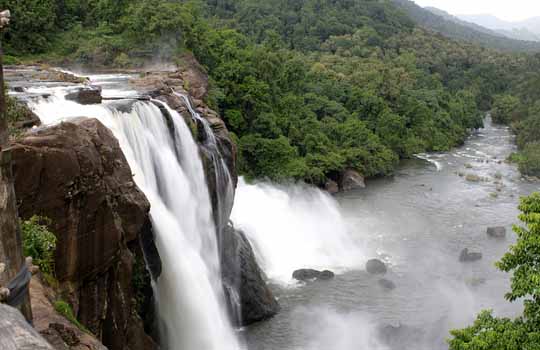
{"x": 223, "y": 180}
{"x": 294, "y": 227}
{"x": 167, "y": 168}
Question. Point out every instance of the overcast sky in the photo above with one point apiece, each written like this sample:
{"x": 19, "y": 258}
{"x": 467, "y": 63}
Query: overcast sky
{"x": 510, "y": 10}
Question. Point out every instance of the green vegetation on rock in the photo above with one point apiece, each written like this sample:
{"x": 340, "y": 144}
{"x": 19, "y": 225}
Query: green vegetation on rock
{"x": 39, "y": 243}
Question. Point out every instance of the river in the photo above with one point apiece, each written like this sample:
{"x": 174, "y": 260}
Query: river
{"x": 418, "y": 222}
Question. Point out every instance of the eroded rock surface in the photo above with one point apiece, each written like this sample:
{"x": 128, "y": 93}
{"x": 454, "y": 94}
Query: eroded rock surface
{"x": 76, "y": 175}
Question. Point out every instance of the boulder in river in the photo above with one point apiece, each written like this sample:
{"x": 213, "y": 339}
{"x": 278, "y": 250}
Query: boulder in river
{"x": 467, "y": 256}
{"x": 496, "y": 232}
{"x": 331, "y": 186}
{"x": 311, "y": 274}
{"x": 351, "y": 180}
{"x": 472, "y": 178}
{"x": 386, "y": 284}
{"x": 242, "y": 274}
{"x": 376, "y": 267}
{"x": 86, "y": 96}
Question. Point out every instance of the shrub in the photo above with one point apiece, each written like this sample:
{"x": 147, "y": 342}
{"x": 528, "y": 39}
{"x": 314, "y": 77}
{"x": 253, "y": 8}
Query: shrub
{"x": 39, "y": 243}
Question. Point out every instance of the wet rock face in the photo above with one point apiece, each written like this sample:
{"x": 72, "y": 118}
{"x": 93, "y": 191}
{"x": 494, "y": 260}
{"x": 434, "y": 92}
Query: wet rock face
{"x": 351, "y": 180}
{"x": 76, "y": 175}
{"x": 242, "y": 273}
{"x": 86, "y": 96}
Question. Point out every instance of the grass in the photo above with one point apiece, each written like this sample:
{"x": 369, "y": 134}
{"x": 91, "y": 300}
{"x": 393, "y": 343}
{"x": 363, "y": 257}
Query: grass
{"x": 65, "y": 310}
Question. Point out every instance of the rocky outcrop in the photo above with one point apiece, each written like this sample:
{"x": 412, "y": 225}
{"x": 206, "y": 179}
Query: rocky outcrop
{"x": 86, "y": 96}
{"x": 17, "y": 334}
{"x": 76, "y": 175}
{"x": 55, "y": 328}
{"x": 242, "y": 275}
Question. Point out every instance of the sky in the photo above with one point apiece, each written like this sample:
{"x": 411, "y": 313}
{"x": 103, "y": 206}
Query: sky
{"x": 510, "y": 10}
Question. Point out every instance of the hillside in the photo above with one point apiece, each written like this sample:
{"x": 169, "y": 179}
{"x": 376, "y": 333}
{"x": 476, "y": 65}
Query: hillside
{"x": 458, "y": 30}
{"x": 309, "y": 89}
{"x": 522, "y": 30}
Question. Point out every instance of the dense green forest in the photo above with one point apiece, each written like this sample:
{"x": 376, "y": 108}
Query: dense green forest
{"x": 308, "y": 88}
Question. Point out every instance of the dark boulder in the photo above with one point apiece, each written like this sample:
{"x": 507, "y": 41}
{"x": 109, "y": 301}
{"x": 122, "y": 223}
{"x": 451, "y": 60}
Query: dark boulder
{"x": 351, "y": 180}
{"x": 326, "y": 275}
{"x": 467, "y": 256}
{"x": 376, "y": 267}
{"x": 311, "y": 274}
{"x": 386, "y": 284}
{"x": 306, "y": 274}
{"x": 86, "y": 95}
{"x": 243, "y": 276}
{"x": 498, "y": 232}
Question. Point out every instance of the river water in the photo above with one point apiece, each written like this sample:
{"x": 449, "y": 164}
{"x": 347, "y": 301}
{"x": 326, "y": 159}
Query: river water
{"x": 418, "y": 222}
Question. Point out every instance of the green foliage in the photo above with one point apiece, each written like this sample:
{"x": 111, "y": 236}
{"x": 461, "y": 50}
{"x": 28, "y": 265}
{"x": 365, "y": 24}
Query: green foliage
{"x": 65, "y": 310}
{"x": 491, "y": 333}
{"x": 504, "y": 109}
{"x": 39, "y": 243}
{"x": 529, "y": 159}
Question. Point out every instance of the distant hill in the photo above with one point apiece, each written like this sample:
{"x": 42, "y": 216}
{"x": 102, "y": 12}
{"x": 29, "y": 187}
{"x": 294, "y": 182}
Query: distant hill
{"x": 459, "y": 29}
{"x": 523, "y": 30}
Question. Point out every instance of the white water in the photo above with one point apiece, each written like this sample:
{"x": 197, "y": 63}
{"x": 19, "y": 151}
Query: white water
{"x": 189, "y": 292}
{"x": 295, "y": 227}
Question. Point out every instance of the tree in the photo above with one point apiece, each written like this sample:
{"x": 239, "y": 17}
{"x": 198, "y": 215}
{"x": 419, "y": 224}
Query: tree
{"x": 523, "y": 261}
{"x": 504, "y": 109}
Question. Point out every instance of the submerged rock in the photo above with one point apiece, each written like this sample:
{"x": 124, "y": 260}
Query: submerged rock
{"x": 473, "y": 178}
{"x": 496, "y": 232}
{"x": 386, "y": 284}
{"x": 376, "y": 267}
{"x": 86, "y": 95}
{"x": 467, "y": 256}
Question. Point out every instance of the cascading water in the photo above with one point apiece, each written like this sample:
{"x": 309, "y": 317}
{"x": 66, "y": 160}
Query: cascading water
{"x": 294, "y": 227}
{"x": 167, "y": 168}
{"x": 224, "y": 185}
{"x": 224, "y": 198}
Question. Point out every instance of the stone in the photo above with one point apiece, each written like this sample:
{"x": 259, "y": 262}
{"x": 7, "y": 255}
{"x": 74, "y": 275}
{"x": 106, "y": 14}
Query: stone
{"x": 473, "y": 178}
{"x": 498, "y": 232}
{"x": 386, "y": 284}
{"x": 326, "y": 275}
{"x": 331, "y": 186}
{"x": 467, "y": 256}
{"x": 16, "y": 333}
{"x": 306, "y": 274}
{"x": 75, "y": 174}
{"x": 242, "y": 275}
{"x": 54, "y": 327}
{"x": 86, "y": 96}
{"x": 351, "y": 180}
{"x": 376, "y": 267}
